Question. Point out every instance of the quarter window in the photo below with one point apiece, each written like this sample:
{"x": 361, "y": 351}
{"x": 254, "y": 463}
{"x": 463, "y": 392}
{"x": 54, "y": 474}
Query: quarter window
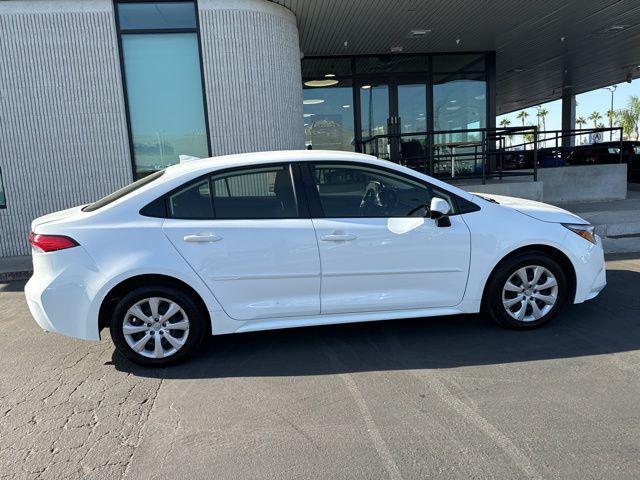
{"x": 354, "y": 191}
{"x": 255, "y": 193}
{"x": 192, "y": 202}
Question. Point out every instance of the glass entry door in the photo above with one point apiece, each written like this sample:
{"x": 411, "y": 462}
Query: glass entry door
{"x": 396, "y": 111}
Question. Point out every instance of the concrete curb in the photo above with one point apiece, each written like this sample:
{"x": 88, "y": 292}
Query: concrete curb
{"x": 15, "y": 276}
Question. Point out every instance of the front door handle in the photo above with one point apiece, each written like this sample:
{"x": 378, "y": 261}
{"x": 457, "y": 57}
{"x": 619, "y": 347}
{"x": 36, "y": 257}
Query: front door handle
{"x": 203, "y": 238}
{"x": 338, "y": 237}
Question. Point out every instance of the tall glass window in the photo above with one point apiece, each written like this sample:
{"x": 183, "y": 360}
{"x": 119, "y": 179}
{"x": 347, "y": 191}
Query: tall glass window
{"x": 163, "y": 82}
{"x": 3, "y": 199}
{"x": 328, "y": 116}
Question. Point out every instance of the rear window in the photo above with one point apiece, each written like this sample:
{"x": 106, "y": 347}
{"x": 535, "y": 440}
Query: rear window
{"x": 123, "y": 192}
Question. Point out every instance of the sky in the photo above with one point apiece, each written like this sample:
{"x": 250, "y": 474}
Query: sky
{"x": 596, "y": 100}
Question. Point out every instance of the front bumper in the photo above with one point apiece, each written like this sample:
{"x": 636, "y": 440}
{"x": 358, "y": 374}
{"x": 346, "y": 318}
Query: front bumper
{"x": 588, "y": 261}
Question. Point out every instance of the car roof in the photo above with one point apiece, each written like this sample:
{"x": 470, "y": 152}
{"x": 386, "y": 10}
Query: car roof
{"x": 241, "y": 159}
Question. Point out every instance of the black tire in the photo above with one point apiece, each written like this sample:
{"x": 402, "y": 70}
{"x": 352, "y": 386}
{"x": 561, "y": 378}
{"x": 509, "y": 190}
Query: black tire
{"x": 195, "y": 316}
{"x": 493, "y": 301}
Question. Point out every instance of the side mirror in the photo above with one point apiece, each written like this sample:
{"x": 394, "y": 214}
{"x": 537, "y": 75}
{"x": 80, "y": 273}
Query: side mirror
{"x": 438, "y": 211}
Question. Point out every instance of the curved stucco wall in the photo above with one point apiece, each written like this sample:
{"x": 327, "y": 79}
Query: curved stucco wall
{"x": 251, "y": 61}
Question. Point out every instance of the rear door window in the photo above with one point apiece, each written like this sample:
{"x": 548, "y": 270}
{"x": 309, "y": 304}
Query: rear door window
{"x": 255, "y": 193}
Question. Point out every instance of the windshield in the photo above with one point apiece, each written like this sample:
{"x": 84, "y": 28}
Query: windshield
{"x": 122, "y": 192}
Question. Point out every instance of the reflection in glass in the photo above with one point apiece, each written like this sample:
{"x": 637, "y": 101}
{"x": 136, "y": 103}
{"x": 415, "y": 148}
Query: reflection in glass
{"x": 374, "y": 117}
{"x": 328, "y": 117}
{"x": 165, "y": 98}
{"x": 156, "y": 15}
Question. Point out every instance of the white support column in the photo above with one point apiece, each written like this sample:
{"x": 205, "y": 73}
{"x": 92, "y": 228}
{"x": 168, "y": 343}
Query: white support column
{"x": 253, "y": 83}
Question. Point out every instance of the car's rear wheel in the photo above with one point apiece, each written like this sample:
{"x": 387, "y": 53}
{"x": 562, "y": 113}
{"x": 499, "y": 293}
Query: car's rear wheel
{"x": 155, "y": 325}
{"x": 526, "y": 291}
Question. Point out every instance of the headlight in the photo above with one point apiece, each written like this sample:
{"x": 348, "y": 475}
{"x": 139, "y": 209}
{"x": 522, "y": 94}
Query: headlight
{"x": 588, "y": 232}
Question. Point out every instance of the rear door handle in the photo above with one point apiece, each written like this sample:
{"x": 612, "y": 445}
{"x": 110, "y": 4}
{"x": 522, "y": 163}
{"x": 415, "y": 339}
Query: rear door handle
{"x": 203, "y": 238}
{"x": 338, "y": 237}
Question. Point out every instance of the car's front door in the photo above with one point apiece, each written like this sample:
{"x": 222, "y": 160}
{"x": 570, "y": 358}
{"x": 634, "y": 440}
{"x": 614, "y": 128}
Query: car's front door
{"x": 378, "y": 252}
{"x": 243, "y": 232}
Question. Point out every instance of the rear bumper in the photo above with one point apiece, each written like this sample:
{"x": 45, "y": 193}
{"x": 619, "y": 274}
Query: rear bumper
{"x": 61, "y": 292}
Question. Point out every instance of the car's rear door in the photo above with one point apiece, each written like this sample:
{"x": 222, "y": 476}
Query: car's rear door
{"x": 378, "y": 252}
{"x": 248, "y": 236}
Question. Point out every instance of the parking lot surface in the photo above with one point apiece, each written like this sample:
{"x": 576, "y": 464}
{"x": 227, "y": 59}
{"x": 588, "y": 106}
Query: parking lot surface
{"x": 449, "y": 397}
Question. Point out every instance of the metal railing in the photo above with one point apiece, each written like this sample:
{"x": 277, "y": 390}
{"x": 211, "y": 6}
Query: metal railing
{"x": 481, "y": 153}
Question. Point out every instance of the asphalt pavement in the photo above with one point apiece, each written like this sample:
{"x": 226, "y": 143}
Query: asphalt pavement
{"x": 446, "y": 397}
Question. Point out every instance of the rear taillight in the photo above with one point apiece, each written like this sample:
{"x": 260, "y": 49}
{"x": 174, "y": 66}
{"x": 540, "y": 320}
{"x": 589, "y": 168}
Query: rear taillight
{"x": 50, "y": 243}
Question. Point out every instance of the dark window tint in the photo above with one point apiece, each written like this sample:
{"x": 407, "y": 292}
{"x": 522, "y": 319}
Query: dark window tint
{"x": 156, "y": 15}
{"x": 354, "y": 191}
{"x": 3, "y": 199}
{"x": 256, "y": 193}
{"x": 192, "y": 201}
{"x": 123, "y": 191}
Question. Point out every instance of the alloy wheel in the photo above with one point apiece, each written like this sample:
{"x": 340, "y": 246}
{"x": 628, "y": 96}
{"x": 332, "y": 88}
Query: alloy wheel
{"x": 530, "y": 293}
{"x": 155, "y": 327}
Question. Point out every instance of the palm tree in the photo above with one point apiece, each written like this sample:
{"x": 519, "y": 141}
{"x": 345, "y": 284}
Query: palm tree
{"x": 634, "y": 107}
{"x": 581, "y": 122}
{"x": 628, "y": 122}
{"x": 522, "y": 116}
{"x": 504, "y": 123}
{"x": 595, "y": 117}
{"x": 542, "y": 113}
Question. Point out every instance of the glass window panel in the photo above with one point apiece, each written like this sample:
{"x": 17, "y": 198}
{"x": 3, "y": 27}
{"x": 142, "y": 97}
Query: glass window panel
{"x": 316, "y": 68}
{"x": 255, "y": 193}
{"x": 328, "y": 117}
{"x": 374, "y": 117}
{"x": 412, "y": 113}
{"x": 392, "y": 64}
{"x": 160, "y": 15}
{"x": 459, "y": 103}
{"x": 458, "y": 63}
{"x": 192, "y": 202}
{"x": 164, "y": 91}
{"x": 352, "y": 192}
{"x": 3, "y": 199}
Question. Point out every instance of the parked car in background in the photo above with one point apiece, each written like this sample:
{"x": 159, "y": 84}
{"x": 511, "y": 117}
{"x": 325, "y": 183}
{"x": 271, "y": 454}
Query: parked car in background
{"x": 290, "y": 239}
{"x": 608, "y": 152}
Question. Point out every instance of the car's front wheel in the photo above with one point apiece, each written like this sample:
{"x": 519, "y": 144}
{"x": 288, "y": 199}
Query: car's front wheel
{"x": 155, "y": 325}
{"x": 526, "y": 291}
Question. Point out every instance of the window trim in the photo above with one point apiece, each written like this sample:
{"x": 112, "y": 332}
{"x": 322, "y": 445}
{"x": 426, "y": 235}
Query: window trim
{"x": 296, "y": 184}
{"x": 315, "y": 204}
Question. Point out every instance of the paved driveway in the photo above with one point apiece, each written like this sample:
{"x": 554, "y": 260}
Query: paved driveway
{"x": 450, "y": 397}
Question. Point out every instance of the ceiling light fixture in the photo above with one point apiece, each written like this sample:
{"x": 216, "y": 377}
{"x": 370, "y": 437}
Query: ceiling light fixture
{"x": 419, "y": 32}
{"x": 330, "y": 75}
{"x": 321, "y": 83}
{"x": 397, "y": 49}
{"x": 312, "y": 101}
{"x": 451, "y": 109}
{"x": 346, "y": 106}
{"x": 366, "y": 87}
{"x": 612, "y": 29}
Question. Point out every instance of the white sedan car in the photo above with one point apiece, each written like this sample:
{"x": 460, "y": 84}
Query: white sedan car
{"x": 288, "y": 239}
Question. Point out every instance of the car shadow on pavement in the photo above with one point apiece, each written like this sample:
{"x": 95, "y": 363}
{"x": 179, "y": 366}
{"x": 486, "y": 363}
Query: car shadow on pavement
{"x": 608, "y": 324}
